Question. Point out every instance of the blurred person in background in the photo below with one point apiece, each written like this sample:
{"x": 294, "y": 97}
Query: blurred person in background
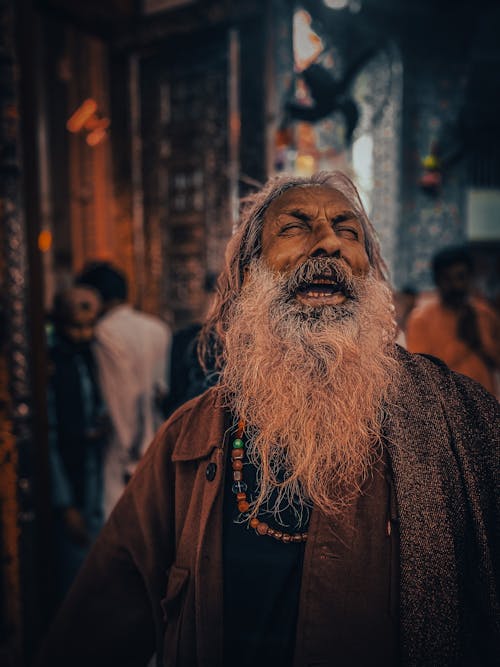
{"x": 187, "y": 377}
{"x": 132, "y": 352}
{"x": 78, "y": 433}
{"x": 457, "y": 327}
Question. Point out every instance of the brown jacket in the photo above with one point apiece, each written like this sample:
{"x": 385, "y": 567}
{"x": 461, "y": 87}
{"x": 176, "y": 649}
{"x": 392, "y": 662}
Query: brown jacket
{"x": 153, "y": 581}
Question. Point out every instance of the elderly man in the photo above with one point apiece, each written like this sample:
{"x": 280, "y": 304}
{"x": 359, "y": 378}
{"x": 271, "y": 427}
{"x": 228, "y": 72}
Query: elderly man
{"x": 332, "y": 501}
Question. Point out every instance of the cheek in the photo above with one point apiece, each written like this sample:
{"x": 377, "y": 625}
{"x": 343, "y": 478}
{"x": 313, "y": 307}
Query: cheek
{"x": 278, "y": 260}
{"x": 282, "y": 257}
{"x": 360, "y": 263}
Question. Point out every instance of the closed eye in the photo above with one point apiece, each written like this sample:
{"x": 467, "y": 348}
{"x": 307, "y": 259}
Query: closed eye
{"x": 300, "y": 221}
{"x": 346, "y": 225}
{"x": 294, "y": 227}
{"x": 347, "y": 232}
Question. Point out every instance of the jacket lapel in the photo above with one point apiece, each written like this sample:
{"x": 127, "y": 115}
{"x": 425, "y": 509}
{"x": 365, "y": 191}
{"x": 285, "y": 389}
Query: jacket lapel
{"x": 428, "y": 492}
{"x": 207, "y": 447}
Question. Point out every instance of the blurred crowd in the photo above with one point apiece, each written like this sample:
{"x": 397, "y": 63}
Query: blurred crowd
{"x": 108, "y": 381}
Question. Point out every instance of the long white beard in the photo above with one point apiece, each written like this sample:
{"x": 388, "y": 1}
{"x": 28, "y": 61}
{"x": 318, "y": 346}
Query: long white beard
{"x": 310, "y": 385}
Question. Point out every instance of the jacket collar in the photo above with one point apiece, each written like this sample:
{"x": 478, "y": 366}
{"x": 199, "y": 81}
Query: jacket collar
{"x": 203, "y": 426}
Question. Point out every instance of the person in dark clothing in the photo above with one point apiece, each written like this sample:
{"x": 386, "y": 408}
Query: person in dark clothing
{"x": 78, "y": 430}
{"x": 187, "y": 377}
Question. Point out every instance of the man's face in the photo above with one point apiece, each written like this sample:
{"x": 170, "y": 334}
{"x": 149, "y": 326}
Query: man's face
{"x": 453, "y": 283}
{"x": 313, "y": 222}
{"x": 83, "y": 306}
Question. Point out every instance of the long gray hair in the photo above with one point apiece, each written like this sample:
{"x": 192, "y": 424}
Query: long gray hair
{"x": 245, "y": 246}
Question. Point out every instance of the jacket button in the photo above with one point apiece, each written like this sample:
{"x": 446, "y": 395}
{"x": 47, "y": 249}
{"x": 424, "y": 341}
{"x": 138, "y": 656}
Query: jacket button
{"x": 210, "y": 471}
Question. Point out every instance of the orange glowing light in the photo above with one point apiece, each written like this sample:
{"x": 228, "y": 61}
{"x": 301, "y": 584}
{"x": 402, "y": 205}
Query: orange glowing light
{"x": 96, "y": 123}
{"x": 44, "y": 240}
{"x": 96, "y": 136}
{"x": 82, "y": 115}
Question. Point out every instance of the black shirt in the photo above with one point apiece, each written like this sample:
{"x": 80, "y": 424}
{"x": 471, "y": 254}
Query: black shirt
{"x": 351, "y": 606}
{"x": 261, "y": 584}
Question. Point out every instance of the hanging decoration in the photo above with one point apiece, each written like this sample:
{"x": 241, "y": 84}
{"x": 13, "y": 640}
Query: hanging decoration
{"x": 88, "y": 119}
{"x": 431, "y": 180}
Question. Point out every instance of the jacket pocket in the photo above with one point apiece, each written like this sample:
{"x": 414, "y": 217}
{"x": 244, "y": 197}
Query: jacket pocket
{"x": 173, "y": 606}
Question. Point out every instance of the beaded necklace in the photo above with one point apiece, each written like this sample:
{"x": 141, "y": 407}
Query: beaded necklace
{"x": 239, "y": 488}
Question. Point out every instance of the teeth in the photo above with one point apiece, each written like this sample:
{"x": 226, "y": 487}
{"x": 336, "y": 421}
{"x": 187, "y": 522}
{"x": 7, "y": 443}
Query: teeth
{"x": 318, "y": 294}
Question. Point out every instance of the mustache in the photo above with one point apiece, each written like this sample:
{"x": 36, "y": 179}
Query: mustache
{"x": 324, "y": 268}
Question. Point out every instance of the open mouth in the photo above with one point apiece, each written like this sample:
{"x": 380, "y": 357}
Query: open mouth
{"x": 323, "y": 290}
{"x": 319, "y": 287}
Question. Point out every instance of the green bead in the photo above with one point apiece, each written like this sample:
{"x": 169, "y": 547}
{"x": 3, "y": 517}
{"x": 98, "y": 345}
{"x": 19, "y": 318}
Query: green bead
{"x": 238, "y": 443}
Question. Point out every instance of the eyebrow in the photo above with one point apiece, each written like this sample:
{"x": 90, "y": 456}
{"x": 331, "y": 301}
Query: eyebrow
{"x": 345, "y": 215}
{"x": 298, "y": 213}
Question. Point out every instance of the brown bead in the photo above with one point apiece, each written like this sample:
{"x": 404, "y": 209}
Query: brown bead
{"x": 262, "y": 528}
{"x": 297, "y": 537}
{"x": 237, "y": 464}
{"x": 237, "y": 475}
{"x": 304, "y": 537}
{"x": 278, "y": 534}
{"x": 243, "y": 506}
{"x": 254, "y": 522}
{"x": 271, "y": 532}
{"x": 241, "y": 496}
{"x": 237, "y": 454}
{"x": 286, "y": 537}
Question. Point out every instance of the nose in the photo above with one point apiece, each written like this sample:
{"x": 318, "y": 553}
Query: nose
{"x": 326, "y": 243}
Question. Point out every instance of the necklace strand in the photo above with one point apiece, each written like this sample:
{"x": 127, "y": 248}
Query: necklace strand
{"x": 239, "y": 488}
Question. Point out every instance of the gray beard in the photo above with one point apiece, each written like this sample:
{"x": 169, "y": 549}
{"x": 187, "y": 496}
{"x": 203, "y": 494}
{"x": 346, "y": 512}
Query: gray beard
{"x": 310, "y": 383}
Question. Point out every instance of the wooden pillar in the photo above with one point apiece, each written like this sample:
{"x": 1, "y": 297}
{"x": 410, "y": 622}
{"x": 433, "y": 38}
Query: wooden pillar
{"x": 23, "y": 439}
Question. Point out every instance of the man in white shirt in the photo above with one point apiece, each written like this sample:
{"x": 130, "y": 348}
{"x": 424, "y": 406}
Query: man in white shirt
{"x": 132, "y": 352}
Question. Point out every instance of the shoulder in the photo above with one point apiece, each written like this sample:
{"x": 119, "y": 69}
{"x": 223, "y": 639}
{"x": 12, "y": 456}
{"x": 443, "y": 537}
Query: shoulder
{"x": 439, "y": 415}
{"x": 149, "y": 322}
{"x": 192, "y": 431}
{"x": 425, "y": 309}
{"x": 457, "y": 394}
{"x": 483, "y": 308}
{"x": 430, "y": 369}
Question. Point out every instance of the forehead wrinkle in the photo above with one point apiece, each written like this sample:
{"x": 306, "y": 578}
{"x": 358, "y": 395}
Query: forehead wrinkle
{"x": 309, "y": 201}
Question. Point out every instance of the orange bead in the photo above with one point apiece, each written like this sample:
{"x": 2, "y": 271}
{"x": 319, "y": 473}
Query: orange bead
{"x": 254, "y": 522}
{"x": 262, "y": 528}
{"x": 237, "y": 464}
{"x": 241, "y": 496}
{"x": 243, "y": 506}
